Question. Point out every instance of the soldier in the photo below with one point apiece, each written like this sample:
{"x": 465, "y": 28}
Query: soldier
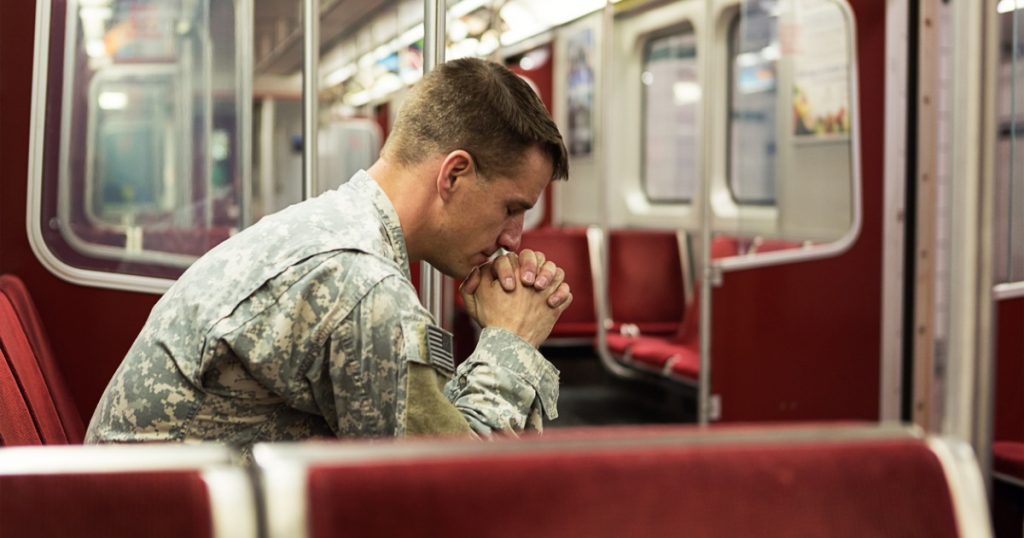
{"x": 306, "y": 324}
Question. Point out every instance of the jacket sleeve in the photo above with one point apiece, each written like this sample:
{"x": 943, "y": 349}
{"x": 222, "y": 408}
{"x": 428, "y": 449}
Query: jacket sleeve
{"x": 505, "y": 386}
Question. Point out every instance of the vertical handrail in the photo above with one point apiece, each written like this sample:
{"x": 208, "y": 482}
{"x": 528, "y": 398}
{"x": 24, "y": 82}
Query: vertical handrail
{"x": 969, "y": 373}
{"x": 433, "y": 55}
{"x": 709, "y": 271}
{"x": 310, "y": 95}
{"x": 243, "y": 109}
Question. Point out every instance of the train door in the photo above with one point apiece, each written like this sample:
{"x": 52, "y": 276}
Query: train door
{"x": 744, "y": 125}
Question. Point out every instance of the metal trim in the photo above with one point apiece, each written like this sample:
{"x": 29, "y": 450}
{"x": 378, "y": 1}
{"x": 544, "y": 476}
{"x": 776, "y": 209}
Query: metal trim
{"x": 890, "y": 355}
{"x": 274, "y": 454}
{"x": 310, "y": 96}
{"x": 33, "y": 215}
{"x": 283, "y": 480}
{"x": 966, "y": 487}
{"x": 232, "y": 502}
{"x": 62, "y": 459}
{"x": 969, "y": 378}
{"x": 1010, "y": 479}
{"x": 1008, "y": 290}
{"x": 602, "y": 312}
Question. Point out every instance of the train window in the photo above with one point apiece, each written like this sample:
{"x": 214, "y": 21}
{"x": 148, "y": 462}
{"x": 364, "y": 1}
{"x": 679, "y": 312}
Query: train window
{"x": 671, "y": 101}
{"x": 1009, "y": 210}
{"x": 140, "y": 157}
{"x": 753, "y": 54}
{"x": 789, "y": 173}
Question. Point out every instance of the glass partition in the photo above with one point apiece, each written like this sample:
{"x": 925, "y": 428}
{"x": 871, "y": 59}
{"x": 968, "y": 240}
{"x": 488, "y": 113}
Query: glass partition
{"x": 144, "y": 149}
{"x": 1009, "y": 209}
{"x": 789, "y": 179}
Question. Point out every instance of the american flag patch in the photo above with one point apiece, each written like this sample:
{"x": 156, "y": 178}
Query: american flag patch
{"x": 439, "y": 348}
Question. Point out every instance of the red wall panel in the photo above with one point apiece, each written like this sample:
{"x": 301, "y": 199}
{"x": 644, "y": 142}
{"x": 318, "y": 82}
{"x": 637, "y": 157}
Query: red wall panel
{"x": 1009, "y": 408}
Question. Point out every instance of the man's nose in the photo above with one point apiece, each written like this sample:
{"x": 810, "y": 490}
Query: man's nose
{"x": 512, "y": 235}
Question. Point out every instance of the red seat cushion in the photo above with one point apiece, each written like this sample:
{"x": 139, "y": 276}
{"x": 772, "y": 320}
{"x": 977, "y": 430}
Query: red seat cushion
{"x": 679, "y": 359}
{"x": 1009, "y": 458}
{"x": 619, "y": 343}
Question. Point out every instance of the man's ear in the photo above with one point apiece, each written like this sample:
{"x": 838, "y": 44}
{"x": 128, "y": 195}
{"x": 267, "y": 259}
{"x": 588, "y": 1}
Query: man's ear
{"x": 457, "y": 167}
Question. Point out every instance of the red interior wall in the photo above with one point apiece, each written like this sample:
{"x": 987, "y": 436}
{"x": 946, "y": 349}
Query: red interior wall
{"x": 802, "y": 341}
{"x": 1009, "y": 409}
{"x": 90, "y": 329}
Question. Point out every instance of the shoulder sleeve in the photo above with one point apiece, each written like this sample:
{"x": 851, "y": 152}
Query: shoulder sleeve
{"x": 505, "y": 386}
{"x": 376, "y": 378}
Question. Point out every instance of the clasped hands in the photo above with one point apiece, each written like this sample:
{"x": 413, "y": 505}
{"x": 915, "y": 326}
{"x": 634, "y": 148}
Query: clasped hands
{"x": 523, "y": 293}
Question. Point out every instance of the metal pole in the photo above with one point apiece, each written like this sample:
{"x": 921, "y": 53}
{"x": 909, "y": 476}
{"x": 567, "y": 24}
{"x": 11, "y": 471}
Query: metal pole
{"x": 243, "y": 109}
{"x": 310, "y": 95}
{"x": 434, "y": 42}
{"x": 971, "y": 361}
{"x": 710, "y": 272}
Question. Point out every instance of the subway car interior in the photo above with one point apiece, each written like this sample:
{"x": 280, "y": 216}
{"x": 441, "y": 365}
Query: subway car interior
{"x": 793, "y": 229}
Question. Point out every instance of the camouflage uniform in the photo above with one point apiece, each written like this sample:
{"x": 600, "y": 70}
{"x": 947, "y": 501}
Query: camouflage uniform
{"x": 306, "y": 324}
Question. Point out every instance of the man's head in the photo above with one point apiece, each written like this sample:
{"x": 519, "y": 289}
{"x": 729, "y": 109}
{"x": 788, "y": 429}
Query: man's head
{"x": 489, "y": 146}
{"x": 482, "y": 108}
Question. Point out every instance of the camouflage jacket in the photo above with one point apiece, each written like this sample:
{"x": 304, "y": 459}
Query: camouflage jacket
{"x": 306, "y": 324}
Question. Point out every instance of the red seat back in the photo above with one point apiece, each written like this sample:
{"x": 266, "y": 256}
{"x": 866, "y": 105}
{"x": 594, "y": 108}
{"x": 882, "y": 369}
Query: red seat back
{"x": 568, "y": 248}
{"x": 679, "y": 482}
{"x": 17, "y": 426}
{"x": 170, "y": 504}
{"x": 30, "y": 364}
{"x": 1009, "y": 408}
{"x": 645, "y": 280}
{"x": 124, "y": 490}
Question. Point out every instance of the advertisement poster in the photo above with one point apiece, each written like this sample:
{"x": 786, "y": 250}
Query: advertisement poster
{"x": 821, "y": 69}
{"x": 580, "y": 50}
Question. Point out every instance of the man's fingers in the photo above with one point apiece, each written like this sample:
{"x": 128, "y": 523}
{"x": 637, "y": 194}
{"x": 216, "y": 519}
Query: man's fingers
{"x": 546, "y": 275}
{"x": 505, "y": 270}
{"x": 528, "y": 264}
{"x": 561, "y": 297}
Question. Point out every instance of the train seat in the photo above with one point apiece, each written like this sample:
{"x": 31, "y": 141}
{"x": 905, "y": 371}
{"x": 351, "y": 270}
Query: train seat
{"x": 761, "y": 245}
{"x": 646, "y": 280}
{"x": 679, "y": 360}
{"x": 1009, "y": 459}
{"x": 34, "y": 392}
{"x": 768, "y": 482}
{"x": 125, "y": 490}
{"x": 568, "y": 248}
{"x": 676, "y": 355}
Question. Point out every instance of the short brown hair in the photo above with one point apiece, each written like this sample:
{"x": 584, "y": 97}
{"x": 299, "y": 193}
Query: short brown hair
{"x": 480, "y": 107}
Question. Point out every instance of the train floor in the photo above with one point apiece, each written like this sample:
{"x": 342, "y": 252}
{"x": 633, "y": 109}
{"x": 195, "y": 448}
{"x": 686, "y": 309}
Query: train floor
{"x": 590, "y": 396}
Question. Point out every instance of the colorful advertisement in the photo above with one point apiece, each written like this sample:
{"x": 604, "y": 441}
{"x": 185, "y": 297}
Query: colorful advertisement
{"x": 821, "y": 68}
{"x": 580, "y": 51}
